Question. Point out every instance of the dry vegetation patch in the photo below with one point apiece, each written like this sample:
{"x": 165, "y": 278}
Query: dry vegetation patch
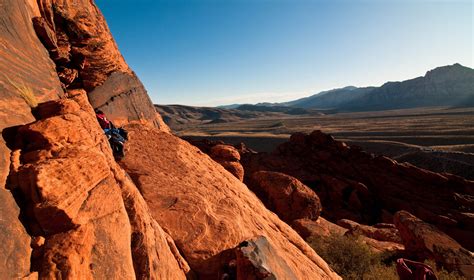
{"x": 354, "y": 260}
{"x": 25, "y": 92}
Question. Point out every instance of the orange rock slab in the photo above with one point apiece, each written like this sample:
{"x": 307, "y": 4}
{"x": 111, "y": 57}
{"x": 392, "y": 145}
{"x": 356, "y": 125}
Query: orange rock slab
{"x": 205, "y": 209}
{"x": 95, "y": 222}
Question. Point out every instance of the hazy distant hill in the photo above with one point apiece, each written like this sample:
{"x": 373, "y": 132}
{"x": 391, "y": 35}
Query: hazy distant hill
{"x": 451, "y": 85}
{"x": 175, "y": 115}
{"x": 331, "y": 98}
{"x": 276, "y": 109}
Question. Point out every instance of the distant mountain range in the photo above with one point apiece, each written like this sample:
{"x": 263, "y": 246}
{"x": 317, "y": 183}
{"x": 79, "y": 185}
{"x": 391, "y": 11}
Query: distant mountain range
{"x": 176, "y": 115}
{"x": 451, "y": 85}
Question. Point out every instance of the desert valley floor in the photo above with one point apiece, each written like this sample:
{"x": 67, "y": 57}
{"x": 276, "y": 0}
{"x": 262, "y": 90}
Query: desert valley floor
{"x": 441, "y": 138}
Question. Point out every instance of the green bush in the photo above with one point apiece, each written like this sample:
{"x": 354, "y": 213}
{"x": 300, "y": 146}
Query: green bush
{"x": 381, "y": 271}
{"x": 444, "y": 274}
{"x": 353, "y": 259}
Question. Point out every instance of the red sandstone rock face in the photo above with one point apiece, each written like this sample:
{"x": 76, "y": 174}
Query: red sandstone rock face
{"x": 95, "y": 222}
{"x": 86, "y": 56}
{"x": 364, "y": 188}
{"x": 423, "y": 240}
{"x": 285, "y": 196}
{"x": 206, "y": 210}
{"x": 15, "y": 248}
{"x": 89, "y": 215}
{"x": 24, "y": 68}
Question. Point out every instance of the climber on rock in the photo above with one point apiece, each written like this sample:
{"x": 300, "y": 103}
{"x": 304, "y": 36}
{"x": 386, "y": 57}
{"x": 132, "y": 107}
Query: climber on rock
{"x": 116, "y": 136}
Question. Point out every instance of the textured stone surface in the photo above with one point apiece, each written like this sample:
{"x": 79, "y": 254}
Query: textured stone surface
{"x": 386, "y": 233}
{"x": 225, "y": 152}
{"x": 367, "y": 189}
{"x": 86, "y": 56}
{"x": 285, "y": 196}
{"x": 95, "y": 221}
{"x": 257, "y": 259}
{"x": 24, "y": 68}
{"x": 123, "y": 99}
{"x": 229, "y": 158}
{"x": 92, "y": 220}
{"x": 423, "y": 240}
{"x": 15, "y": 248}
{"x": 205, "y": 209}
{"x": 323, "y": 228}
{"x": 226, "y": 155}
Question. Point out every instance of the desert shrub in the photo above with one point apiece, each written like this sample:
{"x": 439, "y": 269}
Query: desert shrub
{"x": 26, "y": 93}
{"x": 444, "y": 274}
{"x": 352, "y": 259}
{"x": 277, "y": 124}
{"x": 381, "y": 271}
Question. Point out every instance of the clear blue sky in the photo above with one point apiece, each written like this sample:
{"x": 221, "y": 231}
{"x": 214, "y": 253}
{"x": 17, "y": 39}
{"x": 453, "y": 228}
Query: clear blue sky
{"x": 215, "y": 52}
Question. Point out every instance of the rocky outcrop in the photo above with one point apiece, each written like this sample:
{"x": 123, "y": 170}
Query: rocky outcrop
{"x": 229, "y": 158}
{"x": 226, "y": 155}
{"x": 285, "y": 196}
{"x": 368, "y": 189}
{"x": 93, "y": 219}
{"x": 423, "y": 241}
{"x": 257, "y": 259}
{"x": 86, "y": 56}
{"x": 319, "y": 228}
{"x": 322, "y": 228}
{"x": 27, "y": 76}
{"x": 205, "y": 209}
{"x": 381, "y": 232}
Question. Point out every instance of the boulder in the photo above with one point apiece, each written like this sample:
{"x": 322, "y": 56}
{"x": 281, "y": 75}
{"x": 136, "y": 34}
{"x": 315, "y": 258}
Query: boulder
{"x": 205, "y": 209}
{"x": 322, "y": 228}
{"x": 423, "y": 241}
{"x": 225, "y": 153}
{"x": 229, "y": 158}
{"x": 258, "y": 259}
{"x": 285, "y": 196}
{"x": 234, "y": 167}
{"x": 384, "y": 232}
{"x": 319, "y": 228}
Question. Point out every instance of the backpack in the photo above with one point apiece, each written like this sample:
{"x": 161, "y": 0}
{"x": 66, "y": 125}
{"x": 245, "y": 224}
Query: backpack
{"x": 103, "y": 121}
